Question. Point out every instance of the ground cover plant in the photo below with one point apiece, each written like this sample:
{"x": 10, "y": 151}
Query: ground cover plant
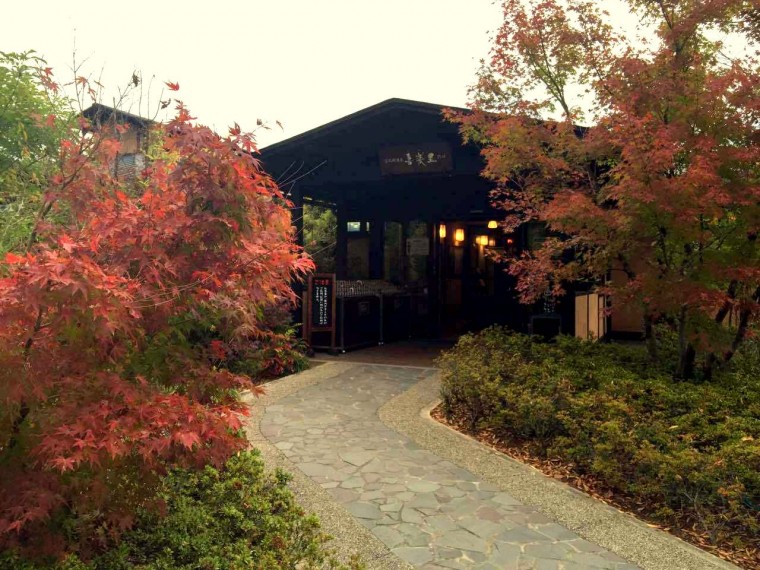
{"x": 684, "y": 455}
{"x": 234, "y": 518}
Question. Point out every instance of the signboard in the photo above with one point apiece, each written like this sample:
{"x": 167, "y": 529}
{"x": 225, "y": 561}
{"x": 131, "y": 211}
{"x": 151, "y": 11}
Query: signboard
{"x": 319, "y": 310}
{"x": 322, "y": 301}
{"x": 418, "y": 246}
{"x": 416, "y": 159}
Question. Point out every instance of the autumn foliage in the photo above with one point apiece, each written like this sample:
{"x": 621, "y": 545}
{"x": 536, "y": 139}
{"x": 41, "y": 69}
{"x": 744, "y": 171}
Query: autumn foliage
{"x": 105, "y": 379}
{"x": 660, "y": 188}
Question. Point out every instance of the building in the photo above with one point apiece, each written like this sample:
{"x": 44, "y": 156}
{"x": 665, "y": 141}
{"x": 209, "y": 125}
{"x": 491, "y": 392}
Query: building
{"x": 414, "y": 219}
{"x": 134, "y": 139}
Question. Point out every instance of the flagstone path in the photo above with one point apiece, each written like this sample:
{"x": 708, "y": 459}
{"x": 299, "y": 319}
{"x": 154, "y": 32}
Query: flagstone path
{"x": 428, "y": 511}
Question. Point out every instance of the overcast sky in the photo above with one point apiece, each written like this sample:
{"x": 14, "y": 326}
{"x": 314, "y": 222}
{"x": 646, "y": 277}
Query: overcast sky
{"x": 300, "y": 62}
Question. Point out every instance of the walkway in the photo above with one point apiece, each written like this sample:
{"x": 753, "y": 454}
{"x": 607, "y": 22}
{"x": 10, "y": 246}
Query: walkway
{"x": 425, "y": 508}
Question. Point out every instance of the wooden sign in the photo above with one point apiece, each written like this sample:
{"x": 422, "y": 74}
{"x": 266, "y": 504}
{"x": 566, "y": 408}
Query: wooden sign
{"x": 319, "y": 307}
{"x": 322, "y": 301}
{"x": 416, "y": 159}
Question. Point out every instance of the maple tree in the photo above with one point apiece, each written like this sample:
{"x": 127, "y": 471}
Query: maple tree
{"x": 116, "y": 321}
{"x": 661, "y": 188}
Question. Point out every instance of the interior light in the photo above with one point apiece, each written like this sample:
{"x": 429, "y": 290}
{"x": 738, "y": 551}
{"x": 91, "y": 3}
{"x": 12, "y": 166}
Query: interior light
{"x": 491, "y": 242}
{"x": 459, "y": 234}
{"x": 493, "y": 224}
{"x": 442, "y": 231}
{"x": 482, "y": 240}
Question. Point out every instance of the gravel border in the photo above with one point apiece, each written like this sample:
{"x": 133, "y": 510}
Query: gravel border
{"x": 349, "y": 535}
{"x": 618, "y": 532}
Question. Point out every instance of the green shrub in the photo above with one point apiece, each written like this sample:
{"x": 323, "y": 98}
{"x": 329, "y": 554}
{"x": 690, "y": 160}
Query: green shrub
{"x": 236, "y": 518}
{"x": 691, "y": 452}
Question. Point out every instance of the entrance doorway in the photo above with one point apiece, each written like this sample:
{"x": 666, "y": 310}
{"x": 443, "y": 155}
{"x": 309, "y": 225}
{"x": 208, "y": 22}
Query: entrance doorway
{"x": 467, "y": 275}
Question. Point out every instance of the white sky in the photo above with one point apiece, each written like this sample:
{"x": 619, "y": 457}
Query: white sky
{"x": 302, "y": 62}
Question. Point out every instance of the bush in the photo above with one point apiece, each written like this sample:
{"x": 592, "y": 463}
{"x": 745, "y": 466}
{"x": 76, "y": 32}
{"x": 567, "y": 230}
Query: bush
{"x": 689, "y": 452}
{"x": 234, "y": 518}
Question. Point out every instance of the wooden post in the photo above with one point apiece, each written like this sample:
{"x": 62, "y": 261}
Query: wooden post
{"x": 376, "y": 249}
{"x": 341, "y": 246}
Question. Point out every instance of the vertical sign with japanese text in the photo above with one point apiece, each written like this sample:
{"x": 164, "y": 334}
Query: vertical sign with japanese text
{"x": 320, "y": 308}
{"x": 322, "y": 301}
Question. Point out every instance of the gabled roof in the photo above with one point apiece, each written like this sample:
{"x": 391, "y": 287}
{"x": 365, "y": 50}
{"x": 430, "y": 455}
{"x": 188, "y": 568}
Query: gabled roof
{"x": 99, "y": 114}
{"x": 358, "y": 116}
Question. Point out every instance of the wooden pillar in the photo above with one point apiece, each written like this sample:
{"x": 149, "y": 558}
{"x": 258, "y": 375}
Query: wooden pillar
{"x": 296, "y": 214}
{"x": 341, "y": 245}
{"x": 296, "y": 217}
{"x": 376, "y": 249}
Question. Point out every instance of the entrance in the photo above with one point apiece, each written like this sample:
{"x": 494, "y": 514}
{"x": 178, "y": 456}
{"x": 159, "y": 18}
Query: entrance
{"x": 467, "y": 275}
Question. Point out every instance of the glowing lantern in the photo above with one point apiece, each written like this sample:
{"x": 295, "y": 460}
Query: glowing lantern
{"x": 442, "y": 231}
{"x": 492, "y": 225}
{"x": 459, "y": 234}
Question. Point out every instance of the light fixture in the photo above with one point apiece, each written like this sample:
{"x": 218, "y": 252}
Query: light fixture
{"x": 491, "y": 242}
{"x": 459, "y": 234}
{"x": 493, "y": 224}
{"x": 482, "y": 240}
{"x": 442, "y": 231}
{"x": 510, "y": 241}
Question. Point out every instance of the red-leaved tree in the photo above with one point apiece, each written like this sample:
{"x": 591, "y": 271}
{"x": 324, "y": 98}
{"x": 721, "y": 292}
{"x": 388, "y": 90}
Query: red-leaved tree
{"x": 661, "y": 188}
{"x": 105, "y": 381}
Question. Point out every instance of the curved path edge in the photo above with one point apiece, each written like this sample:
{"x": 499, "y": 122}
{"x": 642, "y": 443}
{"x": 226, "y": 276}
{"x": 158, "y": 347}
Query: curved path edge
{"x": 618, "y": 532}
{"x": 349, "y": 535}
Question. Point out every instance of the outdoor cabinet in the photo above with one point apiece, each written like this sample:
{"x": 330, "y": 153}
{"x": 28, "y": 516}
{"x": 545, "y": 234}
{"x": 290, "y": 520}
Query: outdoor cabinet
{"x": 397, "y": 317}
{"x": 359, "y": 321}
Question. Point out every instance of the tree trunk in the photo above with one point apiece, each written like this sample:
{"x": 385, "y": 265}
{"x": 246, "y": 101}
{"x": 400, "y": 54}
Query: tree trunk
{"x": 741, "y": 331}
{"x": 711, "y": 360}
{"x": 687, "y": 354}
{"x": 686, "y": 363}
{"x": 649, "y": 336}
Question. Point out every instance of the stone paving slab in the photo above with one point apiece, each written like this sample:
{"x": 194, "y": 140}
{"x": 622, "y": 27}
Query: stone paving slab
{"x": 350, "y": 537}
{"x": 427, "y": 510}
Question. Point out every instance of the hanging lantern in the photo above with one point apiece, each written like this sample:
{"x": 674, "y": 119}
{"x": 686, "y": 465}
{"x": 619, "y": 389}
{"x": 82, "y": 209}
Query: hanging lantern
{"x": 493, "y": 224}
{"x": 442, "y": 231}
{"x": 482, "y": 240}
{"x": 459, "y": 234}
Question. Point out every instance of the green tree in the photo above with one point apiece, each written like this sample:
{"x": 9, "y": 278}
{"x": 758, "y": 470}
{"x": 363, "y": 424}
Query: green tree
{"x": 320, "y": 227}
{"x": 34, "y": 119}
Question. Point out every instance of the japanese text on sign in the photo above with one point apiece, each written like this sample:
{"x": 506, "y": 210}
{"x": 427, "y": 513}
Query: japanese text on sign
{"x": 430, "y": 157}
{"x": 321, "y": 302}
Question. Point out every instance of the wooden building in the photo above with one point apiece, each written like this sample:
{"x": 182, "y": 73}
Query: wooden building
{"x": 414, "y": 218}
{"x": 133, "y": 137}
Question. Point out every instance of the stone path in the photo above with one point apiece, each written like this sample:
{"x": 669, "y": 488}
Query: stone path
{"x": 427, "y": 510}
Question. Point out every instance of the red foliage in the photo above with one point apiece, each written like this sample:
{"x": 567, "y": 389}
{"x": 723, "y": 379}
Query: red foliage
{"x": 663, "y": 189}
{"x": 203, "y": 230}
